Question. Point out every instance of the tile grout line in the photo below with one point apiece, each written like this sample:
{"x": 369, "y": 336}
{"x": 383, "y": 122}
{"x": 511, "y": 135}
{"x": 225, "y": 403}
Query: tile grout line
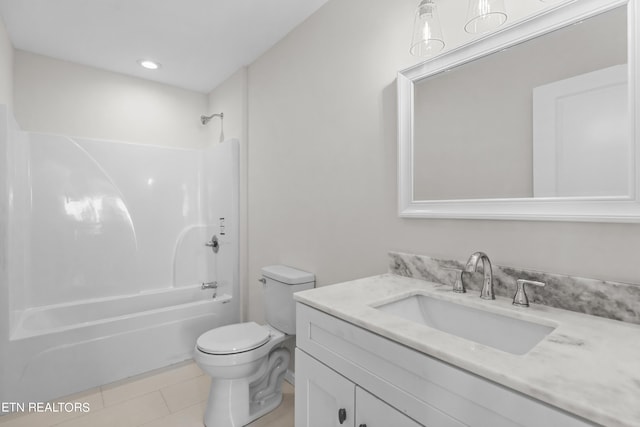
{"x": 158, "y": 388}
{"x": 104, "y": 405}
{"x": 164, "y": 399}
{"x": 181, "y": 382}
{"x": 149, "y": 374}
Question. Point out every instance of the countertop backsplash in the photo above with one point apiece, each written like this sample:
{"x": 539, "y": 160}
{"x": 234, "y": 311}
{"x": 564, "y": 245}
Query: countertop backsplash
{"x": 613, "y": 300}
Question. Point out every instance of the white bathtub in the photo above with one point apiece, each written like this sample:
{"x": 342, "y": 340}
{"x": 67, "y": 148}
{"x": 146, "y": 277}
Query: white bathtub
{"x": 62, "y": 317}
{"x": 65, "y": 348}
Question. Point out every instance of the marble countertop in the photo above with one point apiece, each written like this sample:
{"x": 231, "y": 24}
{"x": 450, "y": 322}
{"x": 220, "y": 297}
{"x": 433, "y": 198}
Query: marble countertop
{"x": 588, "y": 366}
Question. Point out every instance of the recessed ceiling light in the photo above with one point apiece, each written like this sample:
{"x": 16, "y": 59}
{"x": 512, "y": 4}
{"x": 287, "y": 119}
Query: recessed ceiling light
{"x": 149, "y": 65}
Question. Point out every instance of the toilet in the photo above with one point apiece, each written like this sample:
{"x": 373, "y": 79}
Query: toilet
{"x": 247, "y": 361}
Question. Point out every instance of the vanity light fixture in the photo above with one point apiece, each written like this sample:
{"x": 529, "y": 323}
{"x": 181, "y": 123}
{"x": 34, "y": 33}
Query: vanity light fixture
{"x": 482, "y": 16}
{"x": 427, "y": 31}
{"x": 485, "y": 15}
{"x": 148, "y": 64}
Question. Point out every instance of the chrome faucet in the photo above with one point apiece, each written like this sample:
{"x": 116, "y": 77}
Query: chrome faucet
{"x": 472, "y": 267}
{"x": 520, "y": 299}
{"x": 458, "y": 285}
{"x": 211, "y": 285}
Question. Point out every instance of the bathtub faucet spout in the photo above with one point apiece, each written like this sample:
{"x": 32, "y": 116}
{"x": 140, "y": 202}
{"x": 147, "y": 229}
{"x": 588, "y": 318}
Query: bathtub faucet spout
{"x": 210, "y": 285}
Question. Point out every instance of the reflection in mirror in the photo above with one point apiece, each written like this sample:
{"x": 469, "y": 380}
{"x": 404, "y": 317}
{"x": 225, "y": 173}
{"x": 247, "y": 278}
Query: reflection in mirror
{"x": 544, "y": 118}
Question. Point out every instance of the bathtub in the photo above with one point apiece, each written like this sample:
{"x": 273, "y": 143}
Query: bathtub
{"x": 61, "y": 349}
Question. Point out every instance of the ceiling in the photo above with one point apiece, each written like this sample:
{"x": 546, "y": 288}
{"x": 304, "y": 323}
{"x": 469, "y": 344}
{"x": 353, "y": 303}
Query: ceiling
{"x": 198, "y": 42}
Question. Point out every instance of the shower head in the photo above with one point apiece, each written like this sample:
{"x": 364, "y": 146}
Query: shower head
{"x": 205, "y": 119}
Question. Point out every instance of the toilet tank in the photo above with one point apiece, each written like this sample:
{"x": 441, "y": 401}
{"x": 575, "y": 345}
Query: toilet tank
{"x": 280, "y": 283}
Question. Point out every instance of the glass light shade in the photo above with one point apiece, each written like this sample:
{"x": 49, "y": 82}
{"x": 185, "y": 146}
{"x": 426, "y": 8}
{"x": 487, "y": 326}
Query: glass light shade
{"x": 485, "y": 15}
{"x": 427, "y": 32}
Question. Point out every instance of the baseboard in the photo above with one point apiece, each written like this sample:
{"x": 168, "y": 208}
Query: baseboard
{"x": 290, "y": 377}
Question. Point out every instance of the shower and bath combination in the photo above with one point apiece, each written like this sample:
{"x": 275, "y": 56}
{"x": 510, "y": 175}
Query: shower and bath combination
{"x": 145, "y": 308}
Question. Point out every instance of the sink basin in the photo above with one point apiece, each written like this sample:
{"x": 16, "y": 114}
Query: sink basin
{"x": 504, "y": 333}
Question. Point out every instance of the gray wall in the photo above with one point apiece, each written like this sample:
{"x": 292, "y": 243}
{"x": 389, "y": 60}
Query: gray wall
{"x": 61, "y": 97}
{"x": 6, "y": 67}
{"x": 322, "y": 165}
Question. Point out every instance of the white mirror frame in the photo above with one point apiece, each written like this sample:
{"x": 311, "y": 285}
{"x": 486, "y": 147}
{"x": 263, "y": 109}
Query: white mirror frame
{"x": 596, "y": 209}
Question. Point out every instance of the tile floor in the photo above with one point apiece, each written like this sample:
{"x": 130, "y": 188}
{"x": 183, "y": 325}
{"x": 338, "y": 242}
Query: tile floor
{"x": 169, "y": 397}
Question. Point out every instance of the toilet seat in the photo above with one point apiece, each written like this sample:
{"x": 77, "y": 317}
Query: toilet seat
{"x": 232, "y": 339}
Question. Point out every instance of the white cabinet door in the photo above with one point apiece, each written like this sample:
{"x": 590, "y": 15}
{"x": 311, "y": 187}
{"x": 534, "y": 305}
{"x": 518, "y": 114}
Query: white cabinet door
{"x": 373, "y": 412}
{"x": 324, "y": 398}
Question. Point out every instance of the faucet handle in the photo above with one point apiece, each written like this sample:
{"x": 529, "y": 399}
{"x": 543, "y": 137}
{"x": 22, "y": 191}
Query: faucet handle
{"x": 211, "y": 285}
{"x": 458, "y": 286}
{"x": 520, "y": 298}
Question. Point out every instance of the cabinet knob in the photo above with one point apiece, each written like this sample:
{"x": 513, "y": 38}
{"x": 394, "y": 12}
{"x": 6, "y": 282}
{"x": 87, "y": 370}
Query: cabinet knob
{"x": 342, "y": 415}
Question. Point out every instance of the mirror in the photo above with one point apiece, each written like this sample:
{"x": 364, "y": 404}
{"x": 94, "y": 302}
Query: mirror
{"x": 532, "y": 122}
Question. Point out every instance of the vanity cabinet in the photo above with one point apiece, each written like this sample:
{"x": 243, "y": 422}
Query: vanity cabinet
{"x": 325, "y": 398}
{"x": 379, "y": 382}
{"x": 373, "y": 412}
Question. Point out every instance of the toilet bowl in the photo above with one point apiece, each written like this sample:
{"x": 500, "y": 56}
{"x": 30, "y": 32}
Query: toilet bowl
{"x": 246, "y": 379}
{"x": 247, "y": 361}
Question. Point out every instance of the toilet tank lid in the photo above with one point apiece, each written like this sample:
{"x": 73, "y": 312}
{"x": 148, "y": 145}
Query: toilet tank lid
{"x": 287, "y": 275}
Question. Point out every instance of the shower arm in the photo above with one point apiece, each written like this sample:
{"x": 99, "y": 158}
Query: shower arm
{"x": 205, "y": 119}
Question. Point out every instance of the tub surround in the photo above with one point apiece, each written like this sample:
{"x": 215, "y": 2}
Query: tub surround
{"x": 613, "y": 300}
{"x": 106, "y": 255}
{"x": 587, "y": 366}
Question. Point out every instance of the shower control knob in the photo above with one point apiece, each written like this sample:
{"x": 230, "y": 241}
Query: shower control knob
{"x": 263, "y": 281}
{"x": 213, "y": 244}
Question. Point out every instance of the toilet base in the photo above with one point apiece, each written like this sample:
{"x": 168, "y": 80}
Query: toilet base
{"x": 238, "y": 402}
{"x": 267, "y": 407}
